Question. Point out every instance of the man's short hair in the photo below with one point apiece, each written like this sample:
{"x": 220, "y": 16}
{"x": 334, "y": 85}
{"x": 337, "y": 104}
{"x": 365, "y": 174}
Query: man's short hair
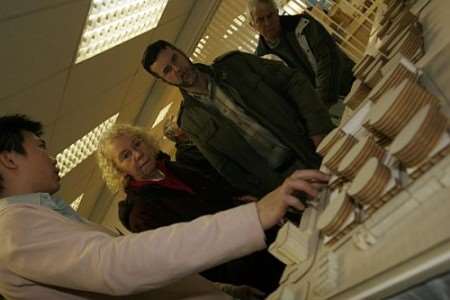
{"x": 251, "y": 5}
{"x": 11, "y": 134}
{"x": 151, "y": 53}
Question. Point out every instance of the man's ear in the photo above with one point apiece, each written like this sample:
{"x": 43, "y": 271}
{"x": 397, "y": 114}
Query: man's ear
{"x": 8, "y": 160}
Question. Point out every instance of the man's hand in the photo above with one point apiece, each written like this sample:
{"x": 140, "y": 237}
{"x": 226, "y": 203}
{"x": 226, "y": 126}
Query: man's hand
{"x": 272, "y": 207}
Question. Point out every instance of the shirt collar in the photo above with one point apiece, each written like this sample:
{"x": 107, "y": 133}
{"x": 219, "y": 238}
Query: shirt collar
{"x": 43, "y": 199}
{"x": 273, "y": 44}
{"x": 211, "y": 88}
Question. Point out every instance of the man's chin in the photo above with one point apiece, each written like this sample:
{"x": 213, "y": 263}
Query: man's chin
{"x": 271, "y": 35}
{"x": 55, "y": 188}
{"x": 189, "y": 79}
{"x": 182, "y": 84}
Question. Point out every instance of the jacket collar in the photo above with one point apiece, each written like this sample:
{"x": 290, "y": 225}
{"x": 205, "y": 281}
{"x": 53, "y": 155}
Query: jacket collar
{"x": 301, "y": 26}
{"x": 215, "y": 73}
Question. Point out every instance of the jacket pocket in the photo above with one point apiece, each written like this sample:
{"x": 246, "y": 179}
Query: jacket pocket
{"x": 197, "y": 122}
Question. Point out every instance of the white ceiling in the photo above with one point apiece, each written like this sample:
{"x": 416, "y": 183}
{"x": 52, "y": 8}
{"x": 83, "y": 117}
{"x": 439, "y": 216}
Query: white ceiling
{"x": 39, "y": 78}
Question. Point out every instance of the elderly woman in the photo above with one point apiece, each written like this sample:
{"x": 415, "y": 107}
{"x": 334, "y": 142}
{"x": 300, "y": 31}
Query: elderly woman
{"x": 160, "y": 192}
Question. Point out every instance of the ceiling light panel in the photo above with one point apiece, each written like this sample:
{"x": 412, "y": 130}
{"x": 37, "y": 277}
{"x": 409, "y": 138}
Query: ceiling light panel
{"x": 112, "y": 22}
{"x": 162, "y": 114}
{"x": 73, "y": 155}
{"x": 229, "y": 30}
{"x": 294, "y": 7}
{"x": 76, "y": 203}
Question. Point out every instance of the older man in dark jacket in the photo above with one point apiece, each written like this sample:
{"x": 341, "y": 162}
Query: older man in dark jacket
{"x": 255, "y": 120}
{"x": 304, "y": 43}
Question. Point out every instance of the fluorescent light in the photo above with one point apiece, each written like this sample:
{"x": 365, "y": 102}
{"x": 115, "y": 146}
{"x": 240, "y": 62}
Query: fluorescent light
{"x": 294, "y": 7}
{"x": 227, "y": 29}
{"x": 111, "y": 22}
{"x": 162, "y": 114}
{"x": 73, "y": 155}
{"x": 76, "y": 203}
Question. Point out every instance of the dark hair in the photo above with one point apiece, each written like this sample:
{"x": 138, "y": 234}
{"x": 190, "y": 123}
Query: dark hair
{"x": 11, "y": 134}
{"x": 151, "y": 53}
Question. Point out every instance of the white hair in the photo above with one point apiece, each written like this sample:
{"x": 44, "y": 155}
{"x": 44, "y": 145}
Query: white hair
{"x": 116, "y": 179}
{"x": 251, "y": 5}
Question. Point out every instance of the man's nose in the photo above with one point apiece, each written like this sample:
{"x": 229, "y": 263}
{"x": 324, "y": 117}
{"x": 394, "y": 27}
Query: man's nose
{"x": 176, "y": 68}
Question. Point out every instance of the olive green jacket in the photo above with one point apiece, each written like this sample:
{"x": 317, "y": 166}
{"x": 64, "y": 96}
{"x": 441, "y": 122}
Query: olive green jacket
{"x": 279, "y": 98}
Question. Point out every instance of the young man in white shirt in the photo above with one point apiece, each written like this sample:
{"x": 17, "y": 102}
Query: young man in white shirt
{"x": 50, "y": 252}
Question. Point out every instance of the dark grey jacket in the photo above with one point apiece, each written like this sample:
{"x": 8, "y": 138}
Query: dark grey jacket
{"x": 334, "y": 68}
{"x": 279, "y": 98}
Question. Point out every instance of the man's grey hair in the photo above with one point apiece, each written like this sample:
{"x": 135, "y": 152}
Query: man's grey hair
{"x": 251, "y": 5}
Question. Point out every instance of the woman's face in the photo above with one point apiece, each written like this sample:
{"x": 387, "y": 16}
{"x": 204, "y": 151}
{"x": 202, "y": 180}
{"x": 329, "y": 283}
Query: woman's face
{"x": 133, "y": 156}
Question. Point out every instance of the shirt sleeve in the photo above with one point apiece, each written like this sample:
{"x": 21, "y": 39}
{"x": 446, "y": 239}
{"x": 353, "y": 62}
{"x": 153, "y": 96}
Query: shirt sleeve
{"x": 43, "y": 246}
